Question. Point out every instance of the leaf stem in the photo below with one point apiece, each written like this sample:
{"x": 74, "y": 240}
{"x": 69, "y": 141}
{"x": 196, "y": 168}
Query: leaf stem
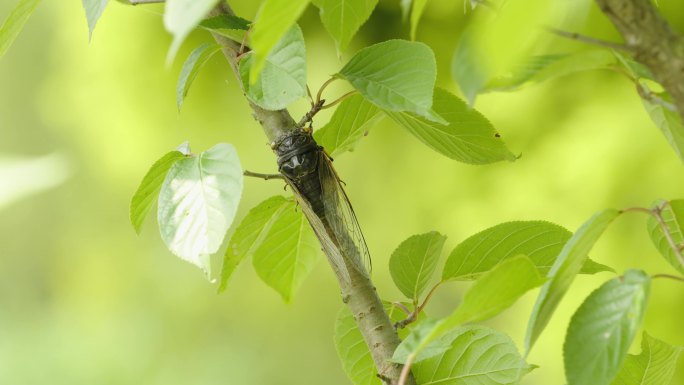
{"x": 320, "y": 91}
{"x": 406, "y": 370}
{"x": 414, "y": 314}
{"x": 668, "y": 276}
{"x": 341, "y": 98}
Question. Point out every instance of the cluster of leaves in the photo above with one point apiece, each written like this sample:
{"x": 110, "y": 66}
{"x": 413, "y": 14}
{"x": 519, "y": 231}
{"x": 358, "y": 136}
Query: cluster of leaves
{"x": 506, "y": 261}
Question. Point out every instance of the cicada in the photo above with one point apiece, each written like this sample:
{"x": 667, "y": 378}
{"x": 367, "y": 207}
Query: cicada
{"x": 309, "y": 172}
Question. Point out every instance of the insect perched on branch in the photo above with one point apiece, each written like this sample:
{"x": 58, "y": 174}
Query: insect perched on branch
{"x": 308, "y": 170}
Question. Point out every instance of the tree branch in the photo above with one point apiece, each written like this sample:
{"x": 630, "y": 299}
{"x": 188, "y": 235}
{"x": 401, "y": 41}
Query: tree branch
{"x": 360, "y": 294}
{"x": 653, "y": 43}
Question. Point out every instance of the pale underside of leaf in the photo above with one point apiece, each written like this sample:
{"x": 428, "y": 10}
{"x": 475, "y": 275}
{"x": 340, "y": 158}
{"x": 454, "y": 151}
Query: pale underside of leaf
{"x": 198, "y": 202}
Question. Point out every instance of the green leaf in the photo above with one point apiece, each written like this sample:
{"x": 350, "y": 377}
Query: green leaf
{"x": 356, "y": 359}
{"x": 274, "y": 19}
{"x": 563, "y": 272}
{"x": 250, "y": 234}
{"x": 414, "y": 261}
{"x": 673, "y": 215}
{"x": 496, "y": 41}
{"x": 664, "y": 115}
{"x": 198, "y": 201}
{"x": 477, "y": 355}
{"x": 395, "y": 75}
{"x": 343, "y": 18}
{"x": 226, "y": 22}
{"x": 405, "y": 8}
{"x": 283, "y": 78}
{"x": 541, "y": 241}
{"x": 416, "y": 12}
{"x": 288, "y": 252}
{"x": 181, "y": 17}
{"x": 468, "y": 136}
{"x": 494, "y": 292}
{"x": 192, "y": 66}
{"x": 602, "y": 329}
{"x": 466, "y": 70}
{"x": 654, "y": 366}
{"x": 93, "y": 10}
{"x": 537, "y": 69}
{"x": 350, "y": 122}
{"x": 522, "y": 73}
{"x": 149, "y": 188}
{"x": 15, "y": 22}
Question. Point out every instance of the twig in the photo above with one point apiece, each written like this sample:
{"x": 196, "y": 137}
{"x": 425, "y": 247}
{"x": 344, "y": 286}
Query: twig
{"x": 262, "y": 176}
{"x": 589, "y": 39}
{"x": 413, "y": 315}
{"x": 668, "y": 276}
{"x": 402, "y": 307}
{"x": 637, "y": 210}
{"x": 137, "y": 2}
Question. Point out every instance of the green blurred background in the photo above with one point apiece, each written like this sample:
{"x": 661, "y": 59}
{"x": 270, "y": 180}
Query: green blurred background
{"x": 83, "y": 300}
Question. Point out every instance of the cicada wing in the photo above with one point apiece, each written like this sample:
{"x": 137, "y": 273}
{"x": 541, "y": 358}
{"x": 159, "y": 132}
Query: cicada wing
{"x": 340, "y": 215}
{"x": 331, "y": 251}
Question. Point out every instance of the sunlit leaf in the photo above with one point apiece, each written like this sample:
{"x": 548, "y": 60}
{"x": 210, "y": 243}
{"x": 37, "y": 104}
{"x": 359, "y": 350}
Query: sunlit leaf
{"x": 192, "y": 66}
{"x": 93, "y": 10}
{"x": 274, "y": 19}
{"x": 493, "y": 292}
{"x": 655, "y": 365}
{"x": 539, "y": 240}
{"x": 602, "y": 329}
{"x": 226, "y": 22}
{"x": 495, "y": 41}
{"x": 350, "y": 122}
{"x": 343, "y": 18}
{"x": 149, "y": 188}
{"x": 283, "y": 78}
{"x": 288, "y": 252}
{"x": 15, "y": 22}
{"x": 25, "y": 177}
{"x": 673, "y": 215}
{"x": 565, "y": 268}
{"x": 198, "y": 201}
{"x": 416, "y": 12}
{"x": 537, "y": 69}
{"x": 181, "y": 17}
{"x": 477, "y": 355}
{"x": 662, "y": 112}
{"x": 467, "y": 137}
{"x": 249, "y": 235}
{"x": 413, "y": 263}
{"x": 356, "y": 359}
{"x": 395, "y": 75}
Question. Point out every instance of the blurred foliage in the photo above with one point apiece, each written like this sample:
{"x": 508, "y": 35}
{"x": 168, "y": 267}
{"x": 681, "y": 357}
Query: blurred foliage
{"x": 86, "y": 301}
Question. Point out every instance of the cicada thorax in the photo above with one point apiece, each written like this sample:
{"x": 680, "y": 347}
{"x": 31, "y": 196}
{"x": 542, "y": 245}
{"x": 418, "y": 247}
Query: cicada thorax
{"x": 298, "y": 160}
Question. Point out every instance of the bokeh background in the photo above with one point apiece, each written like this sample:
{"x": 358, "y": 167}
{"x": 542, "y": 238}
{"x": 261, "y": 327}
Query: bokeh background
{"x": 83, "y": 300}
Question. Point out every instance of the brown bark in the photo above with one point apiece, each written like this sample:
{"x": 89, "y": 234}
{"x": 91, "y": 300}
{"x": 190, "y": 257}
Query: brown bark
{"x": 653, "y": 42}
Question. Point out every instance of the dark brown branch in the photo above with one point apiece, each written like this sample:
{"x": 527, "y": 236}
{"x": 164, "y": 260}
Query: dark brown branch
{"x": 360, "y": 294}
{"x": 653, "y": 43}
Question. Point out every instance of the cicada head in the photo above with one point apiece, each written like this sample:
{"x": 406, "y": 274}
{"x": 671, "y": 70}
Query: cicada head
{"x": 297, "y": 154}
